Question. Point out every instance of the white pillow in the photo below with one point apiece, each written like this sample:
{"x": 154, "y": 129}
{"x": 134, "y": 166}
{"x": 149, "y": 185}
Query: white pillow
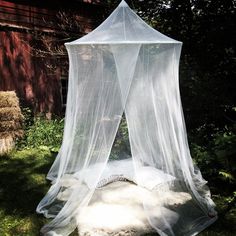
{"x": 150, "y": 177}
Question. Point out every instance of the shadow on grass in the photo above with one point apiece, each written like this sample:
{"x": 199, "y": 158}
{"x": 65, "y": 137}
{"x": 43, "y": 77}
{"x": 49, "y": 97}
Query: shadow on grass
{"x": 22, "y": 181}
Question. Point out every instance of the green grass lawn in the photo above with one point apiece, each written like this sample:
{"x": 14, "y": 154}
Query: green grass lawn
{"x": 23, "y": 184}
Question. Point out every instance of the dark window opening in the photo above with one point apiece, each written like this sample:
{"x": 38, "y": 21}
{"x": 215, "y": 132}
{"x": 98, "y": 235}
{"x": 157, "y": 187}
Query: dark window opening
{"x": 64, "y": 89}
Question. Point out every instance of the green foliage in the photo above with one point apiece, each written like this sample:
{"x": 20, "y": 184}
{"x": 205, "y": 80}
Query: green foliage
{"x": 121, "y": 145}
{"x": 227, "y": 176}
{"x": 43, "y": 134}
{"x": 28, "y": 117}
{"x": 215, "y": 155}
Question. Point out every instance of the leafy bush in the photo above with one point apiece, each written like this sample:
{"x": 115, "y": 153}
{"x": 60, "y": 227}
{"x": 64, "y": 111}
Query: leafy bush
{"x": 43, "y": 134}
{"x": 216, "y": 159}
{"x": 28, "y": 117}
{"x": 121, "y": 145}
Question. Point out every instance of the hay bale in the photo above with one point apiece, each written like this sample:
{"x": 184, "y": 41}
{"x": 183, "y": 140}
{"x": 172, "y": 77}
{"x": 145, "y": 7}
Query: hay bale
{"x": 14, "y": 134}
{"x": 10, "y": 113}
{"x": 6, "y": 144}
{"x": 11, "y": 125}
{"x": 11, "y": 120}
{"x": 8, "y": 99}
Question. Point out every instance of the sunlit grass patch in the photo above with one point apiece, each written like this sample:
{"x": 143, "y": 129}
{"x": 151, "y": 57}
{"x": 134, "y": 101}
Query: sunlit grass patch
{"x": 22, "y": 186}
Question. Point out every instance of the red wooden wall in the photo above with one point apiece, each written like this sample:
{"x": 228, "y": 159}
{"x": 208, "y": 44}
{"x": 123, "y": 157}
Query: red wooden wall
{"x": 37, "y": 85}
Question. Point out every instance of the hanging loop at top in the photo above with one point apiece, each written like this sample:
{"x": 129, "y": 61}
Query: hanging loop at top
{"x": 123, "y": 4}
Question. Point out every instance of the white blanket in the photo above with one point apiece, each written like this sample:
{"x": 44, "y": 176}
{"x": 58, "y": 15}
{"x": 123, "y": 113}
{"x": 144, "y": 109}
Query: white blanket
{"x": 117, "y": 210}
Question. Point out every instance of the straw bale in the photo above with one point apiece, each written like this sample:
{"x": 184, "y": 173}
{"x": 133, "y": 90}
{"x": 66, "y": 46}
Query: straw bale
{"x": 9, "y": 125}
{"x": 6, "y": 145}
{"x": 14, "y": 134}
{"x": 8, "y": 99}
{"x": 10, "y": 113}
{"x": 11, "y": 120}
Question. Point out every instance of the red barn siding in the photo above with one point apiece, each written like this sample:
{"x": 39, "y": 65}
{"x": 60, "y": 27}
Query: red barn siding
{"x": 36, "y": 85}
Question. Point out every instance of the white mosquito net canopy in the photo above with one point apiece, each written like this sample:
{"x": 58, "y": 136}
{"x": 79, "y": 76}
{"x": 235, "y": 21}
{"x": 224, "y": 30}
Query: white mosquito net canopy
{"x": 125, "y": 66}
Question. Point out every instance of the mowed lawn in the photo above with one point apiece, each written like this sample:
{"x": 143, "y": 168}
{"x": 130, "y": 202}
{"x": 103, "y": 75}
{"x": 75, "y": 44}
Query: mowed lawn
{"x": 23, "y": 184}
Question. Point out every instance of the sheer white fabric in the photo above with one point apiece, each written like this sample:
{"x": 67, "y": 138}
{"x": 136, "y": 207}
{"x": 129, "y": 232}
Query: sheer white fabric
{"x": 125, "y": 66}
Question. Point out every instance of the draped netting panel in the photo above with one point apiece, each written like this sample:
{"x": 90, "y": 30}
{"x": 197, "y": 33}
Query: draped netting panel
{"x": 159, "y": 142}
{"x": 95, "y": 107}
{"x": 126, "y": 66}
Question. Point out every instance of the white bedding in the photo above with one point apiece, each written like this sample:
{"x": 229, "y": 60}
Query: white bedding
{"x": 117, "y": 210}
{"x": 146, "y": 176}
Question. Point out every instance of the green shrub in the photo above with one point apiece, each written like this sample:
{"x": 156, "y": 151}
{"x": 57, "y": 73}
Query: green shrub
{"x": 121, "y": 145}
{"x": 28, "y": 117}
{"x": 216, "y": 158}
{"x": 43, "y": 134}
